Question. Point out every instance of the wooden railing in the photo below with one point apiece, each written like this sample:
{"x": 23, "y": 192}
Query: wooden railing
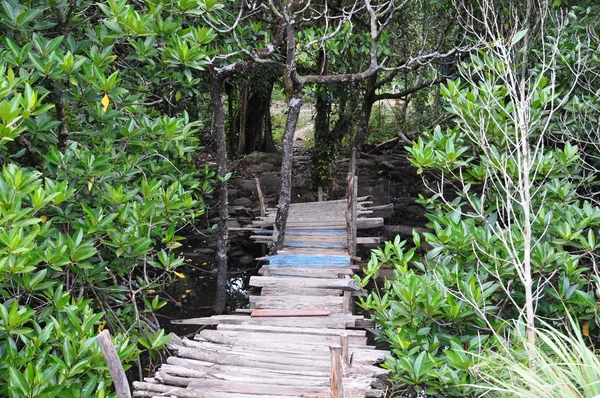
{"x": 339, "y": 360}
{"x": 352, "y": 196}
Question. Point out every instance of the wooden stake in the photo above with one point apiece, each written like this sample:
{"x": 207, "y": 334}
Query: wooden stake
{"x": 320, "y": 194}
{"x": 344, "y": 341}
{"x": 347, "y": 303}
{"x": 261, "y": 198}
{"x": 335, "y": 377}
{"x": 114, "y": 364}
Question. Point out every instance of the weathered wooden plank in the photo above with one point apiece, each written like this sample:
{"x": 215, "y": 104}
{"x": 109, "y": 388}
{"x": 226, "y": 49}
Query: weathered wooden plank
{"x": 212, "y": 368}
{"x": 366, "y": 223}
{"x": 361, "y": 369}
{"x": 368, "y": 240}
{"x": 252, "y": 361}
{"x": 273, "y": 389}
{"x": 281, "y": 282}
{"x": 143, "y": 389}
{"x": 305, "y": 225}
{"x": 294, "y": 243}
{"x": 261, "y": 313}
{"x": 288, "y": 342}
{"x": 333, "y": 304}
{"x": 309, "y": 236}
{"x": 277, "y": 291}
{"x": 305, "y": 272}
{"x": 303, "y": 346}
{"x": 338, "y": 322}
{"x": 313, "y": 353}
{"x": 182, "y": 371}
{"x": 290, "y": 330}
{"x": 263, "y": 354}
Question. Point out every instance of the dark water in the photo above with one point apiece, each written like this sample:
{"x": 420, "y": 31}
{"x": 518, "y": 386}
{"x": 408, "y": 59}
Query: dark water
{"x": 193, "y": 296}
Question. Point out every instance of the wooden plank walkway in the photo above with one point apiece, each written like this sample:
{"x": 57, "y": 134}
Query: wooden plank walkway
{"x": 286, "y": 342}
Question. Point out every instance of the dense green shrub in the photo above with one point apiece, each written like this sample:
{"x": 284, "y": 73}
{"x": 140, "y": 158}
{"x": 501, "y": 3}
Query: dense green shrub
{"x": 513, "y": 239}
{"x": 98, "y": 156}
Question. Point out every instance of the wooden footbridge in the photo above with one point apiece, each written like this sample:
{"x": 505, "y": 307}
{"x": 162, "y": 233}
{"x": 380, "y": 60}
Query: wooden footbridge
{"x": 299, "y": 336}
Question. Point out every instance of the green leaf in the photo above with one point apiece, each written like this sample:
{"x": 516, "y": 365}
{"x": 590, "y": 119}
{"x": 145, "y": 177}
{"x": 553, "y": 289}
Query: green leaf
{"x": 18, "y": 382}
{"x": 518, "y": 36}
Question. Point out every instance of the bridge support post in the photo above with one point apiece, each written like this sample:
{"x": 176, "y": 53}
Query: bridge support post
{"x": 114, "y": 364}
{"x": 344, "y": 342}
{"x": 336, "y": 372}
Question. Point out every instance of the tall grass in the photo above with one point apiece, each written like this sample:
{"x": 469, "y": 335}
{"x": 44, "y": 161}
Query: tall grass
{"x": 565, "y": 367}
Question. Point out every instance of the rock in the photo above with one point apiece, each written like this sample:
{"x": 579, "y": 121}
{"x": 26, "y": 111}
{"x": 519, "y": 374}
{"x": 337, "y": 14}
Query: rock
{"x": 243, "y": 201}
{"x": 244, "y": 220}
{"x": 233, "y": 224}
{"x": 233, "y": 194}
{"x": 247, "y": 187}
{"x": 383, "y": 213}
{"x": 416, "y": 211}
{"x": 246, "y": 259}
{"x": 303, "y": 195}
{"x": 270, "y": 183}
{"x": 261, "y": 168}
{"x": 378, "y": 192}
{"x": 204, "y": 250}
{"x": 237, "y": 253}
{"x": 250, "y": 245}
{"x": 256, "y": 158}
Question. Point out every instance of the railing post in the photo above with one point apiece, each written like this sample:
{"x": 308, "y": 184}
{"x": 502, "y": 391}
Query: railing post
{"x": 344, "y": 342}
{"x": 335, "y": 377}
{"x": 261, "y": 198}
{"x": 114, "y": 364}
{"x": 354, "y": 215}
{"x": 351, "y": 192}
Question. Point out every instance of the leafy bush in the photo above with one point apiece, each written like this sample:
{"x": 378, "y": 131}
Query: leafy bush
{"x": 512, "y": 238}
{"x": 428, "y": 327}
{"x": 98, "y": 155}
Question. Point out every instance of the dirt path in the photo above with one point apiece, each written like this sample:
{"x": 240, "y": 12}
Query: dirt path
{"x": 305, "y": 131}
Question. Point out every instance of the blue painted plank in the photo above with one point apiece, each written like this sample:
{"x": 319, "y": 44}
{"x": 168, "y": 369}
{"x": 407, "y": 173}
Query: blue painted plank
{"x": 317, "y": 231}
{"x": 307, "y": 260}
{"x": 309, "y": 265}
{"x": 308, "y": 257}
{"x": 296, "y": 243}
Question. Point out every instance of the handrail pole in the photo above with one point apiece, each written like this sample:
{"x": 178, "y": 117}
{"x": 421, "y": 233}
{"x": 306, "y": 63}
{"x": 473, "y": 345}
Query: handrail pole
{"x": 114, "y": 364}
{"x": 335, "y": 376}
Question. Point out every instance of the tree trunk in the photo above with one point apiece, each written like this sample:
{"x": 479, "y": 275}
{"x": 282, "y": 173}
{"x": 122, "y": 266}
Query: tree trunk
{"x": 229, "y": 89}
{"x": 268, "y": 144}
{"x": 258, "y": 117}
{"x": 285, "y": 195}
{"x": 220, "y": 139}
{"x": 293, "y": 86}
{"x": 367, "y": 108}
{"x": 252, "y": 118}
{"x": 243, "y": 116}
{"x": 323, "y": 150}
